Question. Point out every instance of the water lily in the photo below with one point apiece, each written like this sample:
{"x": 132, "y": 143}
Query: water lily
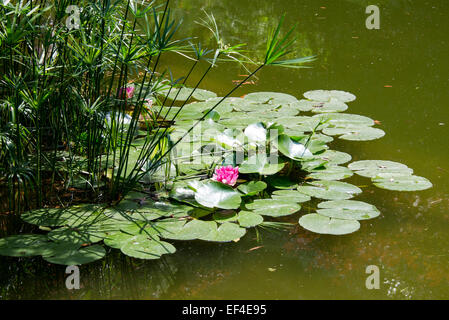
{"x": 127, "y": 92}
{"x": 227, "y": 175}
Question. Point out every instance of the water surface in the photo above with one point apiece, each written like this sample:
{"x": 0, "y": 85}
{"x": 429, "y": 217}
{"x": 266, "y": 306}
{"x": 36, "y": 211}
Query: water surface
{"x": 400, "y": 75}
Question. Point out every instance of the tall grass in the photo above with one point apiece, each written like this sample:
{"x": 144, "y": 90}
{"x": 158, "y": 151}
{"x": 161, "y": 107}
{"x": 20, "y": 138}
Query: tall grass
{"x": 65, "y": 120}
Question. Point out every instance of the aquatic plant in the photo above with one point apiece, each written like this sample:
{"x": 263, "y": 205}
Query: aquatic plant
{"x": 283, "y": 162}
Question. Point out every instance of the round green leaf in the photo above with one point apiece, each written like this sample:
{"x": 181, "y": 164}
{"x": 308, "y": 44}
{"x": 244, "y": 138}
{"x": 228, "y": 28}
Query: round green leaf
{"x": 325, "y": 225}
{"x": 348, "y": 210}
{"x": 330, "y": 190}
{"x": 326, "y": 95}
{"x": 330, "y": 173}
{"x": 252, "y": 188}
{"x": 73, "y": 216}
{"x": 372, "y": 168}
{"x": 292, "y": 149}
{"x": 279, "y": 182}
{"x": 274, "y": 207}
{"x": 227, "y": 232}
{"x": 261, "y": 164}
{"x": 290, "y": 195}
{"x": 215, "y": 194}
{"x": 24, "y": 245}
{"x": 248, "y": 219}
{"x": 75, "y": 256}
{"x": 142, "y": 247}
{"x": 401, "y": 183}
{"x": 356, "y": 133}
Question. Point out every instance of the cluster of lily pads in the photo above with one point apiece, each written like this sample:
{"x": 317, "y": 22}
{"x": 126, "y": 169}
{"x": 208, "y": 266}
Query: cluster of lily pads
{"x": 249, "y": 161}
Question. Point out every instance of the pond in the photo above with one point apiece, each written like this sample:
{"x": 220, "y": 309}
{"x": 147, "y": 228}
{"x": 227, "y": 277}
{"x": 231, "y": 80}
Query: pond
{"x": 399, "y": 74}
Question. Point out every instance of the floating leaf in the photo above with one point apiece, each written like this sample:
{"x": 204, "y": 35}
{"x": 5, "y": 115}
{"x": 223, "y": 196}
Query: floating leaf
{"x": 227, "y": 232}
{"x": 401, "y": 183}
{"x": 279, "y": 182}
{"x": 292, "y": 149}
{"x": 248, "y": 219}
{"x": 290, "y": 195}
{"x": 333, "y": 105}
{"x": 326, "y": 95}
{"x": 330, "y": 173}
{"x": 78, "y": 236}
{"x": 355, "y": 133}
{"x": 271, "y": 98}
{"x": 202, "y": 95}
{"x": 24, "y": 245}
{"x": 343, "y": 120}
{"x": 261, "y": 164}
{"x": 225, "y": 216}
{"x": 117, "y": 239}
{"x": 330, "y": 190}
{"x": 191, "y": 230}
{"x": 348, "y": 210}
{"x": 325, "y": 225}
{"x": 372, "y": 168}
{"x": 73, "y": 216}
{"x": 274, "y": 207}
{"x": 252, "y": 188}
{"x": 142, "y": 247}
{"x": 214, "y": 194}
{"x": 75, "y": 256}
{"x": 334, "y": 157}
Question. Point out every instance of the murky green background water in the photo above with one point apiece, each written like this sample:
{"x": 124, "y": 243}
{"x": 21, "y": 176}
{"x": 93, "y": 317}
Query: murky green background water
{"x": 400, "y": 75}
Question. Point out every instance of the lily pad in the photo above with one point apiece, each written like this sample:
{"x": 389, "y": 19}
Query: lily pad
{"x": 333, "y": 105}
{"x": 290, "y": 195}
{"x": 252, "y": 188}
{"x": 225, "y": 216}
{"x": 73, "y": 216}
{"x": 330, "y": 190}
{"x": 75, "y": 256}
{"x": 401, "y": 183}
{"x": 274, "y": 207}
{"x": 142, "y": 247}
{"x": 344, "y": 120}
{"x": 271, "y": 98}
{"x": 202, "y": 95}
{"x": 280, "y": 182}
{"x": 356, "y": 133}
{"x": 325, "y": 225}
{"x": 249, "y": 219}
{"x": 78, "y": 236}
{"x": 24, "y": 245}
{"x": 117, "y": 239}
{"x": 330, "y": 173}
{"x": 348, "y": 210}
{"x": 372, "y": 168}
{"x": 326, "y": 95}
{"x": 292, "y": 149}
{"x": 191, "y": 230}
{"x": 334, "y": 157}
{"x": 261, "y": 164}
{"x": 226, "y": 232}
{"x": 215, "y": 194}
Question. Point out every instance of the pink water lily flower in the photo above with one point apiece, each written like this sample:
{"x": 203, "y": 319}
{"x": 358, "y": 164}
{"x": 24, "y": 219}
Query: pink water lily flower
{"x": 126, "y": 91}
{"x": 227, "y": 175}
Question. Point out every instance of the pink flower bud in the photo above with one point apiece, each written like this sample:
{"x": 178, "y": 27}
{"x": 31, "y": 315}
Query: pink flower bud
{"x": 127, "y": 92}
{"x": 227, "y": 175}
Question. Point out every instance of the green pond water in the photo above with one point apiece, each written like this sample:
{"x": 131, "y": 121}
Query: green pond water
{"x": 400, "y": 75}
